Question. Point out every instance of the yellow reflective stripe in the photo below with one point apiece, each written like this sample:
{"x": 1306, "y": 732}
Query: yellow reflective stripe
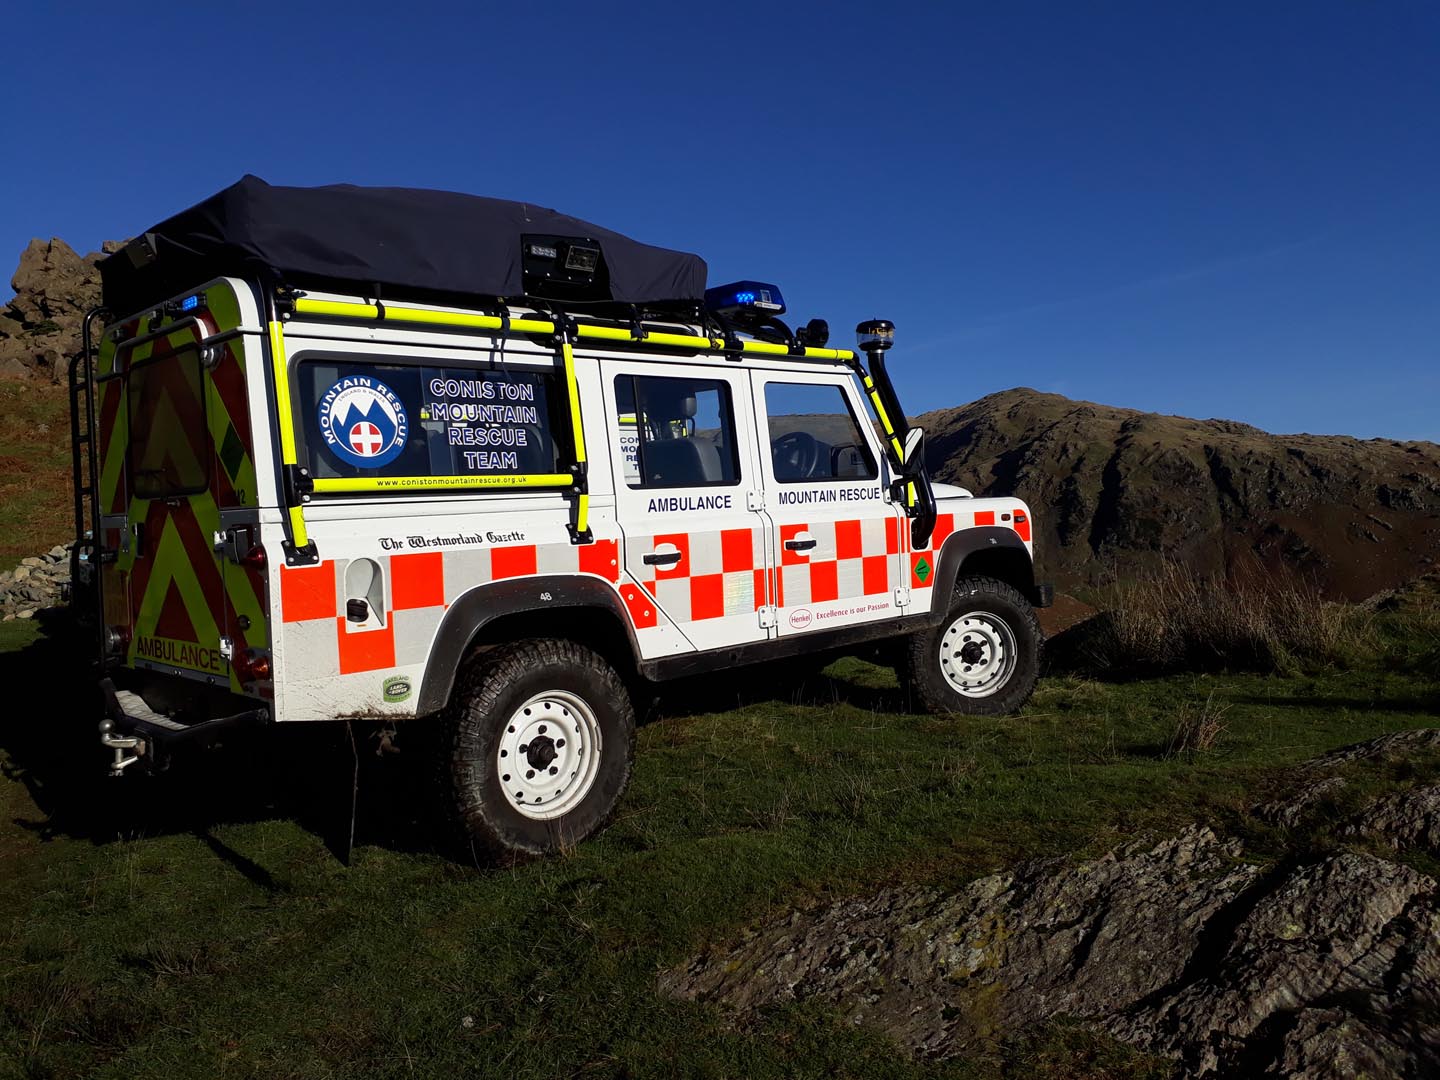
{"x": 299, "y": 535}
{"x": 347, "y": 310}
{"x": 338, "y": 309}
{"x": 658, "y": 337}
{"x": 282, "y": 394}
{"x": 890, "y": 432}
{"x": 345, "y": 484}
{"x": 582, "y": 513}
{"x": 573, "y": 389}
{"x": 764, "y": 348}
{"x": 605, "y": 333}
{"x": 880, "y": 413}
{"x": 441, "y": 318}
{"x": 297, "y": 527}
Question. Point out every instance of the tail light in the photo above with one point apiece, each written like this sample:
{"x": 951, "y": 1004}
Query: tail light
{"x": 254, "y": 667}
{"x": 255, "y": 558}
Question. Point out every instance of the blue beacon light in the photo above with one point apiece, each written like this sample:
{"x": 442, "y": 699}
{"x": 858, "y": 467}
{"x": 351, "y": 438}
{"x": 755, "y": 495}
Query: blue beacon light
{"x": 753, "y": 298}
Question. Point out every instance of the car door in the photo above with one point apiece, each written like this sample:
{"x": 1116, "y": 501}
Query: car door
{"x": 836, "y": 533}
{"x": 687, "y": 498}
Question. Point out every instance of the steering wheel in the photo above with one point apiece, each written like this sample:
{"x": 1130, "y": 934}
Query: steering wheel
{"x": 796, "y": 453}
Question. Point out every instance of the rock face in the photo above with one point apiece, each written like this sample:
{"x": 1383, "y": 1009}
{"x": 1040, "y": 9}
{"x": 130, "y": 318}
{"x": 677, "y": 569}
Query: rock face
{"x": 1115, "y": 488}
{"x": 1319, "y": 967}
{"x": 40, "y": 326}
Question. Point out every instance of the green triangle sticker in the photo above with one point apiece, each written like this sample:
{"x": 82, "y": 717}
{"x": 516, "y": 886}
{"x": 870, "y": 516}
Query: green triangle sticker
{"x": 232, "y": 452}
{"x": 922, "y": 570}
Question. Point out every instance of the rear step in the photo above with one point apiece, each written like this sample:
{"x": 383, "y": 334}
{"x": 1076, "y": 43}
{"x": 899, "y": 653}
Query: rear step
{"x": 134, "y": 731}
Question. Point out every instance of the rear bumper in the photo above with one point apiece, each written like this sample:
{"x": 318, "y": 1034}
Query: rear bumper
{"x": 1042, "y": 596}
{"x": 135, "y": 733}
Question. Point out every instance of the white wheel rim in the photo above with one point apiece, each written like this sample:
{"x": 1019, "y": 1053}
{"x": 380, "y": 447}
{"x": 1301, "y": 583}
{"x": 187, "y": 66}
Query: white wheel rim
{"x": 549, "y": 755}
{"x": 977, "y": 654}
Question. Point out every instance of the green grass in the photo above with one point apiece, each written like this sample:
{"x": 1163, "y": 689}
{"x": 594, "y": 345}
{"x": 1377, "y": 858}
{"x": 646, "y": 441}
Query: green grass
{"x": 197, "y": 925}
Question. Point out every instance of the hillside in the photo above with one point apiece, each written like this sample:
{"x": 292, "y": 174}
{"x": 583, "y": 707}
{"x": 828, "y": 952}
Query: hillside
{"x": 1114, "y": 488}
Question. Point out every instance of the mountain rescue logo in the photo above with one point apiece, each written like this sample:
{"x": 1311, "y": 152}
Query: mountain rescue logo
{"x": 363, "y": 422}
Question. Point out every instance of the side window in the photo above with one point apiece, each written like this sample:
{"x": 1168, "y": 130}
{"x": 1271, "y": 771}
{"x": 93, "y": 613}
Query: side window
{"x": 814, "y": 435}
{"x": 364, "y": 419}
{"x": 675, "y": 432}
{"x": 169, "y": 438}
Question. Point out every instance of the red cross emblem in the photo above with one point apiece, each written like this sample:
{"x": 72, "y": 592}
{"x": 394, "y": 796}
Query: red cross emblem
{"x": 365, "y": 439}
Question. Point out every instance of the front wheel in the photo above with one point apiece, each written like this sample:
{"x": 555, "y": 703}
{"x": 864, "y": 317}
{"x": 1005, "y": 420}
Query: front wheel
{"x": 984, "y": 657}
{"x": 540, "y": 737}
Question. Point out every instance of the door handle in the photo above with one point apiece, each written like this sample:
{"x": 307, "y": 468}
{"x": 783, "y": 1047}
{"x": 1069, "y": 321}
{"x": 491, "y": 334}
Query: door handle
{"x": 800, "y": 545}
{"x": 661, "y": 558}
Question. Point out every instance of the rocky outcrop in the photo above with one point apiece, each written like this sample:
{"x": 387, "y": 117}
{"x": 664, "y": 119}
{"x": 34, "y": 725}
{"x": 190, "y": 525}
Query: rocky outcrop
{"x": 40, "y": 326}
{"x": 1406, "y": 819}
{"x": 1306, "y": 967}
{"x": 34, "y": 585}
{"x": 1116, "y": 489}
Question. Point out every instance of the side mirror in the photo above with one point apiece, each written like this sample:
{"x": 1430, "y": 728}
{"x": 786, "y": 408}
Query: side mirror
{"x": 914, "y": 452}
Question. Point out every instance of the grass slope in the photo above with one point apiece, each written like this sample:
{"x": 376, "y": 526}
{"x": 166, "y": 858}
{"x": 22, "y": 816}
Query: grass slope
{"x": 197, "y": 925}
{"x": 36, "y": 511}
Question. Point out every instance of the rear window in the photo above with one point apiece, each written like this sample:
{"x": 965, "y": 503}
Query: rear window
{"x": 169, "y": 438}
{"x": 364, "y": 419}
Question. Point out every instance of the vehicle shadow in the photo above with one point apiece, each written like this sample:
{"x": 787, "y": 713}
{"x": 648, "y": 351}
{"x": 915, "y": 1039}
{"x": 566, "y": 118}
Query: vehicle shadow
{"x": 760, "y": 683}
{"x": 50, "y": 744}
{"x": 349, "y": 786}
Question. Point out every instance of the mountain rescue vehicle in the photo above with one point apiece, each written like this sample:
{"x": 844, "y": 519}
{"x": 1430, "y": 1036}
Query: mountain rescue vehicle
{"x": 351, "y": 453}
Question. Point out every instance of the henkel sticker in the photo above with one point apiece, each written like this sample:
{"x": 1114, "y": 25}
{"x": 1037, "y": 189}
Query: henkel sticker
{"x": 800, "y": 618}
{"x": 363, "y": 422}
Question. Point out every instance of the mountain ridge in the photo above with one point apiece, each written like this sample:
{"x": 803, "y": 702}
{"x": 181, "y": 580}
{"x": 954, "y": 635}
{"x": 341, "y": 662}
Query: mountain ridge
{"x": 1113, "y": 489}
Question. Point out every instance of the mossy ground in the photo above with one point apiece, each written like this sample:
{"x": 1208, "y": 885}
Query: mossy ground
{"x": 200, "y": 924}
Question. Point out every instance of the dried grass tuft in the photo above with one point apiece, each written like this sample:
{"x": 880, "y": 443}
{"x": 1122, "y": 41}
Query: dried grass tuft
{"x": 1250, "y": 619}
{"x": 1197, "y": 729}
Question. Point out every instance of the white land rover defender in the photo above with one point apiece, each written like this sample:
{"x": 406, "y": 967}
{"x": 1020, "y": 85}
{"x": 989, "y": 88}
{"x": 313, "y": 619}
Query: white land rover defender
{"x": 390, "y": 454}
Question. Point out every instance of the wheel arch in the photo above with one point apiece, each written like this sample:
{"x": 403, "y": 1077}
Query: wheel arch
{"x": 988, "y": 551}
{"x": 583, "y": 609}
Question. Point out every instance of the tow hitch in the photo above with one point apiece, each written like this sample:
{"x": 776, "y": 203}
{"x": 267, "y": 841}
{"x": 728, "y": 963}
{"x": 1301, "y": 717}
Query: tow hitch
{"x": 122, "y": 745}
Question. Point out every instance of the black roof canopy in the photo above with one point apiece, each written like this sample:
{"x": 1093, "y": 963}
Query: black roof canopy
{"x": 410, "y": 242}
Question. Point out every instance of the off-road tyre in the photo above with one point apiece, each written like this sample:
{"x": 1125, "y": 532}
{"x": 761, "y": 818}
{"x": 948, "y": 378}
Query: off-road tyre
{"x": 491, "y": 690}
{"x": 999, "y": 615}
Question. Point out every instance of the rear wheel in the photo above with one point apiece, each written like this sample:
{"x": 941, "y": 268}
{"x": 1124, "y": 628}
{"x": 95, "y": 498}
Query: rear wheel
{"x": 540, "y": 736}
{"x": 983, "y": 659}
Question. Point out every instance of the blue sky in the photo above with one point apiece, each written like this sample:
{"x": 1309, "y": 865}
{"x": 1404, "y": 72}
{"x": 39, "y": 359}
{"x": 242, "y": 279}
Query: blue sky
{"x": 1218, "y": 209}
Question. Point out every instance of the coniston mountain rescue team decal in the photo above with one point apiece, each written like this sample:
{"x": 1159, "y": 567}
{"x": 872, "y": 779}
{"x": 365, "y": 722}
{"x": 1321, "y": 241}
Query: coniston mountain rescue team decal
{"x": 363, "y": 422}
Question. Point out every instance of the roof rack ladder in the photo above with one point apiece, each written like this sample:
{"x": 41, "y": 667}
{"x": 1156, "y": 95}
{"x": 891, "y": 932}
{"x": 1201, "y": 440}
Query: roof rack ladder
{"x": 85, "y": 554}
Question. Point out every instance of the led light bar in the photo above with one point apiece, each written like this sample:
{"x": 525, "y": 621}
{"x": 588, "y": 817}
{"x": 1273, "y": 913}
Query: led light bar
{"x": 746, "y": 300}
